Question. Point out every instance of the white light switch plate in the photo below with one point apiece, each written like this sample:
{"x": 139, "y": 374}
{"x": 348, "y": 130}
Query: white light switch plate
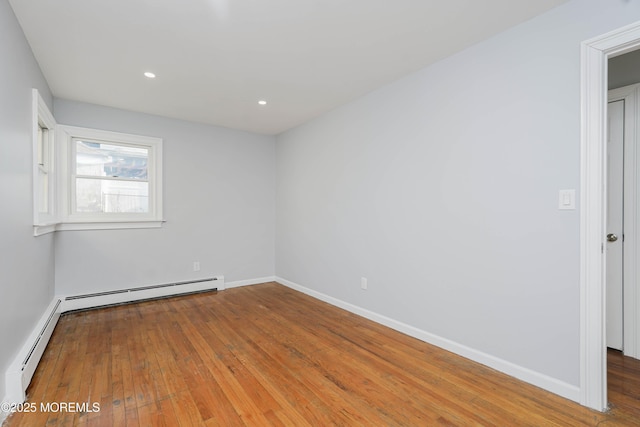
{"x": 567, "y": 199}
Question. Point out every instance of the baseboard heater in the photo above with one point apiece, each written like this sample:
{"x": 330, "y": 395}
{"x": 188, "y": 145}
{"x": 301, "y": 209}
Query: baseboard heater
{"x": 101, "y": 299}
{"x": 20, "y": 372}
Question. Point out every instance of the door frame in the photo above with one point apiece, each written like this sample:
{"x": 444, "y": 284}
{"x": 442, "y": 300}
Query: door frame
{"x": 593, "y": 195}
{"x": 631, "y": 97}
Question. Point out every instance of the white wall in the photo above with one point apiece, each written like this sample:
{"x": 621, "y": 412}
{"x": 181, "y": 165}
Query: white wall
{"x": 26, "y": 262}
{"x": 219, "y": 204}
{"x": 442, "y": 190}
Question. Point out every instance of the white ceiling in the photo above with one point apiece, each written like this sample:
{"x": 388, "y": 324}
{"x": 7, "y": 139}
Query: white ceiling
{"x": 215, "y": 59}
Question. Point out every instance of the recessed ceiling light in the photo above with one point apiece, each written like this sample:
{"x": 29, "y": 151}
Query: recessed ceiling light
{"x": 150, "y": 75}
{"x": 262, "y": 102}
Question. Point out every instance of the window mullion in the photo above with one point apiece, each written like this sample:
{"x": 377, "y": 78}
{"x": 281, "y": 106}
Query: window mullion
{"x": 111, "y": 178}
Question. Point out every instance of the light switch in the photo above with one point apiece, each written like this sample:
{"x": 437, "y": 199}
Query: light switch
{"x": 567, "y": 199}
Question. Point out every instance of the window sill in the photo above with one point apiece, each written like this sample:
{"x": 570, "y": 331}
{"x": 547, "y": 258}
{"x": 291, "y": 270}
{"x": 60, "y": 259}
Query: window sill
{"x": 72, "y": 226}
{"x": 39, "y": 230}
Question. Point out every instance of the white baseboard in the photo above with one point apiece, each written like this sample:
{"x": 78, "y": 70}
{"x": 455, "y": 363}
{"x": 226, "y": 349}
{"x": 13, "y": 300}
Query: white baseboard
{"x": 543, "y": 381}
{"x": 249, "y": 282}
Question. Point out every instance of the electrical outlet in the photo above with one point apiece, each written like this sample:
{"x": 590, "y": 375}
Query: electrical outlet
{"x": 363, "y": 282}
{"x": 196, "y": 265}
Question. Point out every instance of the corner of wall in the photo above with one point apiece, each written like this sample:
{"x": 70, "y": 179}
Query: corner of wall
{"x": 250, "y": 282}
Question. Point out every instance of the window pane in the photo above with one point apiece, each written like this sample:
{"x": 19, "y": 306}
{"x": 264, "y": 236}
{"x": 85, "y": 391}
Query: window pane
{"x": 43, "y": 190}
{"x": 111, "y": 196}
{"x": 99, "y": 159}
{"x": 41, "y": 147}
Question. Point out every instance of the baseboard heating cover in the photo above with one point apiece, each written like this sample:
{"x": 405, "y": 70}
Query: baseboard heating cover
{"x": 21, "y": 371}
{"x": 98, "y": 299}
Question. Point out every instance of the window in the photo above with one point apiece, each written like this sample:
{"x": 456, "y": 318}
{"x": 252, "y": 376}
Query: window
{"x": 44, "y": 180}
{"x": 110, "y": 180}
{"x": 92, "y": 179}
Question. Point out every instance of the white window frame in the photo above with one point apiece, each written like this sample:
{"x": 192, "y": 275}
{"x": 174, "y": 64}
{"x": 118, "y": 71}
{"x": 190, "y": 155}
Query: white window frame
{"x": 44, "y": 160}
{"x": 72, "y": 220}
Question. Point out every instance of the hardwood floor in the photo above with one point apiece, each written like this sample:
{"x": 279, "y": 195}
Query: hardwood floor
{"x": 624, "y": 386}
{"x": 267, "y": 355}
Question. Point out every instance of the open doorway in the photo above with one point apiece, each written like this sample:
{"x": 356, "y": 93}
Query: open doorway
{"x": 623, "y": 160}
{"x": 593, "y": 214}
{"x": 622, "y": 219}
